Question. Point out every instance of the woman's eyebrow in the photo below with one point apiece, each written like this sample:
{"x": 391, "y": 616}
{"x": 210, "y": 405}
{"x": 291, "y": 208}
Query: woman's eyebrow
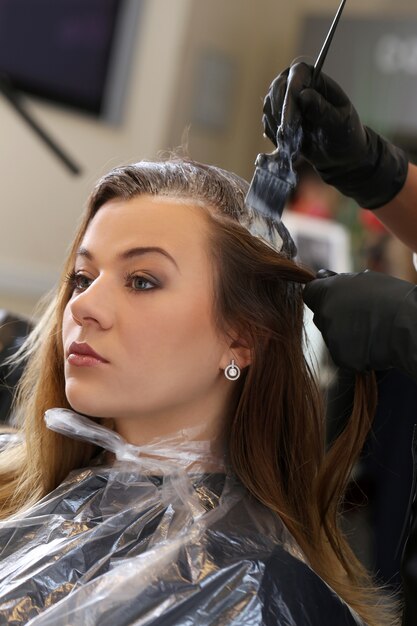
{"x": 131, "y": 253}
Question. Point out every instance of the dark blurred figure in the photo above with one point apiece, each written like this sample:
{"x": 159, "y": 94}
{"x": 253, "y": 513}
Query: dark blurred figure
{"x": 384, "y": 477}
{"x": 13, "y": 331}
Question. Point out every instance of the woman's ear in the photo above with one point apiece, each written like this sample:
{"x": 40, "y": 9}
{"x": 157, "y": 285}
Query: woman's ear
{"x": 240, "y": 350}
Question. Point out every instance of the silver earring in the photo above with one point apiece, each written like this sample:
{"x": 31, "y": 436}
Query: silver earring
{"x": 232, "y": 371}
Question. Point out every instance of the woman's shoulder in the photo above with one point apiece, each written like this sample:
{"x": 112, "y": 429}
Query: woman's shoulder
{"x": 291, "y": 588}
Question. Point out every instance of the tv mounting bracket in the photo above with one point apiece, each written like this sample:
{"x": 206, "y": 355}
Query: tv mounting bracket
{"x": 14, "y": 98}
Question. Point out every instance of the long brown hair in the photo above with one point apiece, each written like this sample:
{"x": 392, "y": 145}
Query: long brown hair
{"x": 276, "y": 436}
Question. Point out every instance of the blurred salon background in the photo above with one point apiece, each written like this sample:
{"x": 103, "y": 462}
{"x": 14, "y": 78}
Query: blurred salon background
{"x": 113, "y": 81}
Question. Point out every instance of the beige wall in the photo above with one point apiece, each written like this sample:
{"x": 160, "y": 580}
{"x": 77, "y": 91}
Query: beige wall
{"x": 41, "y": 203}
{"x": 242, "y": 33}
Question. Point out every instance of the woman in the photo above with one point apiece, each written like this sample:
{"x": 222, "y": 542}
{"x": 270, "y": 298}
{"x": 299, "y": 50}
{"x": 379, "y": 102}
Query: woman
{"x": 174, "y": 346}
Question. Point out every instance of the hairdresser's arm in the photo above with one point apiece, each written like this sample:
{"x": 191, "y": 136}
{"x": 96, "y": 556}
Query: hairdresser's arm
{"x": 400, "y": 214}
{"x": 346, "y": 154}
{"x": 368, "y": 320}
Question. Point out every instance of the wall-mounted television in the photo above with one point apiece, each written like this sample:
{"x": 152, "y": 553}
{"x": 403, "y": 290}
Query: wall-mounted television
{"x": 73, "y": 52}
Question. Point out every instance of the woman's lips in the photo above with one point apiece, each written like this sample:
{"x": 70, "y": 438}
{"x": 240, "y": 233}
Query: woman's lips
{"x": 82, "y": 355}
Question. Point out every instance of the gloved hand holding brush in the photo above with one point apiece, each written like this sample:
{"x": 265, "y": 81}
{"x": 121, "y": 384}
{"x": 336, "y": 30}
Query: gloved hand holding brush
{"x": 348, "y": 155}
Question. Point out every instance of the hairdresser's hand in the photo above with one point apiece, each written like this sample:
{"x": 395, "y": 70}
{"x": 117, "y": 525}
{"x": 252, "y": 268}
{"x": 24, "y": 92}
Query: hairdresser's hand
{"x": 368, "y": 320}
{"x": 347, "y": 154}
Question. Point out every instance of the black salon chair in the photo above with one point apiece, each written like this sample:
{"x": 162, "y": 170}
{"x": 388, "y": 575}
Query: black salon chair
{"x": 13, "y": 331}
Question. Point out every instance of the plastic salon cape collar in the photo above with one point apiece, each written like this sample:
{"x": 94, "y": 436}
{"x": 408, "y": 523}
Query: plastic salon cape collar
{"x": 155, "y": 540}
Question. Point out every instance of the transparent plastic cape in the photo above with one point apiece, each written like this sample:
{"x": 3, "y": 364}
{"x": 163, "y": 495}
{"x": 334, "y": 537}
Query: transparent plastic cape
{"x": 150, "y": 536}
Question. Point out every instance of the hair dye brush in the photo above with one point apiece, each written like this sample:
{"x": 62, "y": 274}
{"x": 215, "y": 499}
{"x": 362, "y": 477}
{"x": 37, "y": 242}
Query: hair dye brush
{"x": 274, "y": 176}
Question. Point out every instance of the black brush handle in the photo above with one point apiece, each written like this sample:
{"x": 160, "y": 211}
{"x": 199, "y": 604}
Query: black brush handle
{"x": 325, "y": 48}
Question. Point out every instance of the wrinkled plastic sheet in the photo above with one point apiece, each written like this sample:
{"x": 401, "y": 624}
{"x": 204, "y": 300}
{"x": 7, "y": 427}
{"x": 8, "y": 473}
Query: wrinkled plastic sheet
{"x": 142, "y": 541}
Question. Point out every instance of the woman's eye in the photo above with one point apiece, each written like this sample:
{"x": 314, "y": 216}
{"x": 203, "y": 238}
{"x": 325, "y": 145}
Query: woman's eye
{"x": 140, "y": 283}
{"x": 80, "y": 282}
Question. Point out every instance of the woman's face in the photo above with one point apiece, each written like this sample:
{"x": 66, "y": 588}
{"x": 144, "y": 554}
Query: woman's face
{"x": 143, "y": 301}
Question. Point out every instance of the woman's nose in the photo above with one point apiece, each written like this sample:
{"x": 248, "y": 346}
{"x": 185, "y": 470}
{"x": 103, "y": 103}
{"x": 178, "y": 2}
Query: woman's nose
{"x": 94, "y": 305}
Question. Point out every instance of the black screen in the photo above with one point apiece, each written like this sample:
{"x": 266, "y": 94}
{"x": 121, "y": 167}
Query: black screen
{"x": 58, "y": 49}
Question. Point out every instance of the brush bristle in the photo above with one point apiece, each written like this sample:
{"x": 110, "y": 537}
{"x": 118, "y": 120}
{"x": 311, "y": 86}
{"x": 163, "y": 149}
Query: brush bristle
{"x": 268, "y": 193}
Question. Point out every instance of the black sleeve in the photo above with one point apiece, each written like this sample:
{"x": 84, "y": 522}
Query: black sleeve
{"x": 403, "y": 340}
{"x": 409, "y": 557}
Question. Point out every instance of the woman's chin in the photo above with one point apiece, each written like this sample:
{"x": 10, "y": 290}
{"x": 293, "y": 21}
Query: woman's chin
{"x": 85, "y": 406}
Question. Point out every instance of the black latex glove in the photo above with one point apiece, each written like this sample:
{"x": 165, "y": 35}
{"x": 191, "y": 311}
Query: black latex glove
{"x": 368, "y": 320}
{"x": 347, "y": 154}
